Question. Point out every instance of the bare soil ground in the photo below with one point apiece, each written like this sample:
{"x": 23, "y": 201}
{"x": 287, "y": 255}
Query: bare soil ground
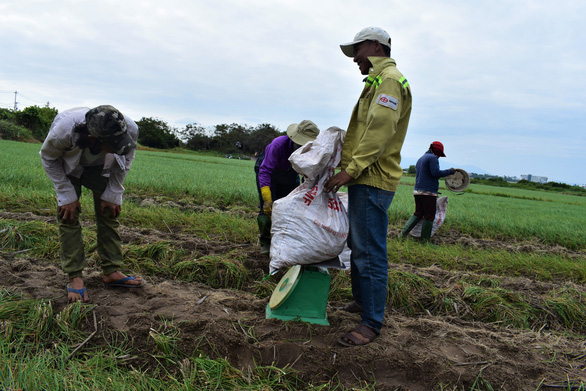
{"x": 419, "y": 353}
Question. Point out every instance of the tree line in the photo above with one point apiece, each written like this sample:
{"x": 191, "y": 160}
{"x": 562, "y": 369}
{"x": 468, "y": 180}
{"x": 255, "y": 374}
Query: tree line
{"x": 33, "y": 123}
{"x": 528, "y": 185}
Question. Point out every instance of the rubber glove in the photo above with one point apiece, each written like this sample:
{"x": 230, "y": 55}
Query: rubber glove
{"x": 267, "y": 199}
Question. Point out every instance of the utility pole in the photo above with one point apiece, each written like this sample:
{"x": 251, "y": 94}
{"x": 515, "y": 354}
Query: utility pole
{"x": 15, "y": 102}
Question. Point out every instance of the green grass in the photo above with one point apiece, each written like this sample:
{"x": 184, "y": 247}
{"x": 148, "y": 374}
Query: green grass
{"x": 499, "y": 306}
{"x": 401, "y": 287}
{"x": 188, "y": 179}
{"x": 38, "y": 352}
{"x": 505, "y": 213}
{"x": 534, "y": 264}
{"x": 569, "y": 305}
{"x": 31, "y": 237}
{"x": 207, "y": 179}
{"x": 213, "y": 199}
{"x": 218, "y": 271}
{"x": 479, "y": 300}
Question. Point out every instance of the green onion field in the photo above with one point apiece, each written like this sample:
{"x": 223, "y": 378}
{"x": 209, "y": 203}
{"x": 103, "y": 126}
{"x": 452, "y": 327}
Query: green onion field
{"x": 498, "y": 302}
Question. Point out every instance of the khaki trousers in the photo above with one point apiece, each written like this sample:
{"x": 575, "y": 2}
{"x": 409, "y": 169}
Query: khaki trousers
{"x": 70, "y": 237}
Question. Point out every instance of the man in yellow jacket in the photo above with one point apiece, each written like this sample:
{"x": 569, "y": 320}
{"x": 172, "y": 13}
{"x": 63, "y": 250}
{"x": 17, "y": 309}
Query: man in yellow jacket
{"x": 371, "y": 169}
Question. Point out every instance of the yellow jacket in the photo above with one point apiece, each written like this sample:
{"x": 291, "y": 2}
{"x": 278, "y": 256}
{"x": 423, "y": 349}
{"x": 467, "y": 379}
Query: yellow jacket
{"x": 372, "y": 146}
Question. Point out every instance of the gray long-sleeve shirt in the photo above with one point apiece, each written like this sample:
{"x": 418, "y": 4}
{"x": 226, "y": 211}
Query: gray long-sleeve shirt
{"x": 61, "y": 157}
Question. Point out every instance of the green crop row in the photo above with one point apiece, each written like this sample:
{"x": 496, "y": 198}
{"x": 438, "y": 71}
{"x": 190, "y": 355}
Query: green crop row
{"x": 190, "y": 180}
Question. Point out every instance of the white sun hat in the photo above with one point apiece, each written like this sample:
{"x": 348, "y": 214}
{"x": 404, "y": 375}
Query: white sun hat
{"x": 366, "y": 34}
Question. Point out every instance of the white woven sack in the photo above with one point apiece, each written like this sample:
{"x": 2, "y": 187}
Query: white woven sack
{"x": 312, "y": 158}
{"x": 308, "y": 225}
{"x": 440, "y": 216}
{"x": 345, "y": 255}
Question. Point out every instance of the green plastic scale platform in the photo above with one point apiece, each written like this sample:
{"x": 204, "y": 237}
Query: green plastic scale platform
{"x": 302, "y": 294}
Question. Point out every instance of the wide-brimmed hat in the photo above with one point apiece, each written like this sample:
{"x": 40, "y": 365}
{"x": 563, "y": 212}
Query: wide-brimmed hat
{"x": 108, "y": 126}
{"x": 438, "y": 148}
{"x": 458, "y": 181}
{"x": 302, "y": 132}
{"x": 366, "y": 34}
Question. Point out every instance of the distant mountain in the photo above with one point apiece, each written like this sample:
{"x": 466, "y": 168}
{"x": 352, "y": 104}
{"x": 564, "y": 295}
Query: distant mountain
{"x": 470, "y": 168}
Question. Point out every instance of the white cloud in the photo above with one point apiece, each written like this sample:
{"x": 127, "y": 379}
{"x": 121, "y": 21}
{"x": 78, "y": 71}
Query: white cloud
{"x": 500, "y": 76}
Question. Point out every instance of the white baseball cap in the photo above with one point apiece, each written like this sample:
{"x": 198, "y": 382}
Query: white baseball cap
{"x": 367, "y": 34}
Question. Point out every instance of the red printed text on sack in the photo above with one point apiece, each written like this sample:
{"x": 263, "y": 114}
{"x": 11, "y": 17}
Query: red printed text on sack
{"x": 333, "y": 204}
{"x": 310, "y": 195}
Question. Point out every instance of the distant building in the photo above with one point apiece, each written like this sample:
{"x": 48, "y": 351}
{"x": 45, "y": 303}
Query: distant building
{"x": 534, "y": 178}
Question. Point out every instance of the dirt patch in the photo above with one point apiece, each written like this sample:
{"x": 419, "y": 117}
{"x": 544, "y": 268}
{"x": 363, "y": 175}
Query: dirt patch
{"x": 419, "y": 353}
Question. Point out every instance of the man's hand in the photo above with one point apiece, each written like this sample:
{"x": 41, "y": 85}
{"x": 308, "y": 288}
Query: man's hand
{"x": 337, "y": 181}
{"x": 67, "y": 212}
{"x": 113, "y": 208}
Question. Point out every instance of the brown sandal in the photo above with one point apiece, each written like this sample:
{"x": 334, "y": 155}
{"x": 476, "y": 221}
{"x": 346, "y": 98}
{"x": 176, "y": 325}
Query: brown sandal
{"x": 361, "y": 335}
{"x": 352, "y": 307}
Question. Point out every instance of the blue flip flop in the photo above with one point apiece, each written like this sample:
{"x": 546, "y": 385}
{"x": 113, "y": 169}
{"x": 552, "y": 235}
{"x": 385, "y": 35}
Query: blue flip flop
{"x": 80, "y": 292}
{"x": 122, "y": 283}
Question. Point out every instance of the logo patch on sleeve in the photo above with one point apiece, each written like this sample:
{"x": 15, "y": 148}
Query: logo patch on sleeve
{"x": 388, "y": 101}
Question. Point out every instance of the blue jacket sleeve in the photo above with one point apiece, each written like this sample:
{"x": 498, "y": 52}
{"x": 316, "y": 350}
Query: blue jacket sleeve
{"x": 435, "y": 170}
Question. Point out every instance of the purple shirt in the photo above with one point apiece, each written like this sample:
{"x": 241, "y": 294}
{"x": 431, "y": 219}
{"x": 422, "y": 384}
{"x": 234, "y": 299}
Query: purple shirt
{"x": 276, "y": 157}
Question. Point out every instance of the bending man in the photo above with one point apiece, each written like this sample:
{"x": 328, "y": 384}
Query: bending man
{"x": 94, "y": 149}
{"x": 275, "y": 178}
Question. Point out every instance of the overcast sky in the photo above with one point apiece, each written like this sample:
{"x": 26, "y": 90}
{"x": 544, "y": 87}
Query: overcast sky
{"x": 501, "y": 83}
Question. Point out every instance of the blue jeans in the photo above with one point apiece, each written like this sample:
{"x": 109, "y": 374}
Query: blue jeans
{"x": 367, "y": 212}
